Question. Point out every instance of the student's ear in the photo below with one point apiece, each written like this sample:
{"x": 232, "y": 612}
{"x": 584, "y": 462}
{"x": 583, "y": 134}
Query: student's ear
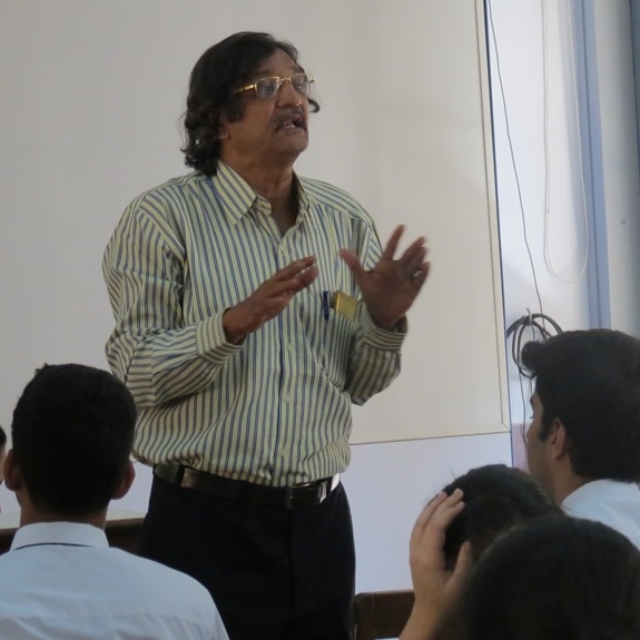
{"x": 558, "y": 439}
{"x": 125, "y": 484}
{"x": 12, "y": 475}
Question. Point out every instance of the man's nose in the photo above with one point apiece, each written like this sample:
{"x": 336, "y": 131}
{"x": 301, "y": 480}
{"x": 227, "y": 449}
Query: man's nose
{"x": 287, "y": 95}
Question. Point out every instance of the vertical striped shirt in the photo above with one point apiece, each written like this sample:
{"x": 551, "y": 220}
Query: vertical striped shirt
{"x": 276, "y": 409}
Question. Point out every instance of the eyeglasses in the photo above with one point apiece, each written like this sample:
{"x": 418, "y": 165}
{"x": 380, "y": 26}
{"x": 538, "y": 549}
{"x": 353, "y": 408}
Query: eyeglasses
{"x": 268, "y": 88}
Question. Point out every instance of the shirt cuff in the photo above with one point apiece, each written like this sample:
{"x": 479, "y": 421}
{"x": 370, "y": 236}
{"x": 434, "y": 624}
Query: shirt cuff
{"x": 382, "y": 338}
{"x": 211, "y": 341}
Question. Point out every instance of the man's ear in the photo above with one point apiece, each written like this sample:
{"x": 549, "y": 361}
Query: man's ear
{"x": 223, "y": 131}
{"x": 558, "y": 439}
{"x": 12, "y": 475}
{"x": 125, "y": 484}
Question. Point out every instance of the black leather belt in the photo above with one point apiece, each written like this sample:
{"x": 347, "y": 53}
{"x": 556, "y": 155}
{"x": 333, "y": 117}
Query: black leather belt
{"x": 295, "y": 497}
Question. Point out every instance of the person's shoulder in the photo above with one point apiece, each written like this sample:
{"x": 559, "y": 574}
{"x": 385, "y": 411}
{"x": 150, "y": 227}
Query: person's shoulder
{"x": 601, "y": 491}
{"x": 170, "y": 191}
{"x": 331, "y": 196}
{"x": 162, "y": 586}
{"x": 155, "y": 571}
{"x": 169, "y": 207}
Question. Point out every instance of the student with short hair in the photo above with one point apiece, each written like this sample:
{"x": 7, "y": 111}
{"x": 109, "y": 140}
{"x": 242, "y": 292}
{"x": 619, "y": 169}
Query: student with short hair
{"x": 583, "y": 444}
{"x": 72, "y": 433}
{"x": 552, "y": 578}
{"x": 555, "y": 579}
{"x": 497, "y": 498}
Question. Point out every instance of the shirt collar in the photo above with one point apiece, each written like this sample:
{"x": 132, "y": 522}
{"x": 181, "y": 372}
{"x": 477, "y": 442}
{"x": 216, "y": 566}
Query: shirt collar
{"x": 601, "y": 489}
{"x": 63, "y": 533}
{"x": 238, "y": 197}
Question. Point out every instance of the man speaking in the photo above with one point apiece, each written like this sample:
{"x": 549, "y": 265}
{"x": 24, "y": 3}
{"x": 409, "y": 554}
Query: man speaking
{"x": 252, "y": 307}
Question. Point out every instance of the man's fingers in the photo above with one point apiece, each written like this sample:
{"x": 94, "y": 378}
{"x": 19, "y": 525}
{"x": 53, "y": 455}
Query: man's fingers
{"x": 294, "y": 269}
{"x": 353, "y": 263}
{"x": 307, "y": 277}
{"x": 420, "y": 274}
{"x": 392, "y": 245}
{"x": 416, "y": 252}
{"x": 290, "y": 279}
{"x": 412, "y": 262}
{"x": 291, "y": 286}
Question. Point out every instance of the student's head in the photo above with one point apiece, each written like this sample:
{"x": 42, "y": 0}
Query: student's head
{"x": 497, "y": 498}
{"x": 215, "y": 96}
{"x": 586, "y": 405}
{"x": 555, "y": 579}
{"x": 72, "y": 433}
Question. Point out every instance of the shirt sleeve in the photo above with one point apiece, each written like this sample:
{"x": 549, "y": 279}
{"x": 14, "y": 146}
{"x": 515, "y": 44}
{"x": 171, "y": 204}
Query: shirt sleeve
{"x": 375, "y": 360}
{"x": 375, "y": 356}
{"x": 152, "y": 349}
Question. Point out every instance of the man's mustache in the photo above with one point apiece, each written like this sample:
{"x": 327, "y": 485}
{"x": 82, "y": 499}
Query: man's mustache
{"x": 286, "y": 115}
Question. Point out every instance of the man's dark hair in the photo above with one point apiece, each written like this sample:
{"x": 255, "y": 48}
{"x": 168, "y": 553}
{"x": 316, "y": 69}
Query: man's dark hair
{"x": 222, "y": 69}
{"x": 590, "y": 382}
{"x": 3, "y": 438}
{"x": 554, "y": 579}
{"x": 497, "y": 498}
{"x": 72, "y": 434}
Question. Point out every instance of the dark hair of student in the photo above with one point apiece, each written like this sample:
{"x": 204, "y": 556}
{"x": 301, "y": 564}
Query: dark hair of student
{"x": 72, "y": 434}
{"x": 222, "y": 69}
{"x": 590, "y": 382}
{"x": 555, "y": 579}
{"x": 3, "y": 438}
{"x": 497, "y": 498}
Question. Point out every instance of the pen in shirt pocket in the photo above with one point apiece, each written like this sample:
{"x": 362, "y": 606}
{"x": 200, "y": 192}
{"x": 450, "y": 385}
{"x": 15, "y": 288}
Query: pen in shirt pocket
{"x": 325, "y": 304}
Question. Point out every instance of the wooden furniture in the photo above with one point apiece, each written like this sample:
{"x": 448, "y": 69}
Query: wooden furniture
{"x": 381, "y": 614}
{"x": 125, "y": 533}
{"x": 123, "y": 530}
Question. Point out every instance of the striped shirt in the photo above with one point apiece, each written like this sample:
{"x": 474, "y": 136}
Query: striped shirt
{"x": 275, "y": 409}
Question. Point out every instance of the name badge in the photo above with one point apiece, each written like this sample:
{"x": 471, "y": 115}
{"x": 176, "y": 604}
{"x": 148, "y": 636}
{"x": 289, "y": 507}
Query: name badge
{"x": 344, "y": 305}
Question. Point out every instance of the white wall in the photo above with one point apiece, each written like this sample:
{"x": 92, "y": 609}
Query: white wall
{"x": 388, "y": 483}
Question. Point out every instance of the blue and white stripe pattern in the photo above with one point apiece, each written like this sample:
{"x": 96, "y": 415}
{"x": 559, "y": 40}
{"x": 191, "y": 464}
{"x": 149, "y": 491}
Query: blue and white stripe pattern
{"x": 275, "y": 409}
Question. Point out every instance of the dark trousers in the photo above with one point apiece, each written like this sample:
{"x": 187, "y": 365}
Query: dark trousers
{"x": 273, "y": 574}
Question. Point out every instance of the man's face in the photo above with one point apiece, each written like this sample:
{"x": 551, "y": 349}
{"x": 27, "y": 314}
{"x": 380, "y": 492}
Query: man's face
{"x": 271, "y": 128}
{"x": 537, "y": 450}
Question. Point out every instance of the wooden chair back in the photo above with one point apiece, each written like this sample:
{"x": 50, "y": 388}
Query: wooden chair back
{"x": 381, "y": 614}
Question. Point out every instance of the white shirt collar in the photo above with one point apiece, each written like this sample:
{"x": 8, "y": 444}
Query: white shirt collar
{"x": 601, "y": 489}
{"x": 62, "y": 533}
{"x": 616, "y": 504}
